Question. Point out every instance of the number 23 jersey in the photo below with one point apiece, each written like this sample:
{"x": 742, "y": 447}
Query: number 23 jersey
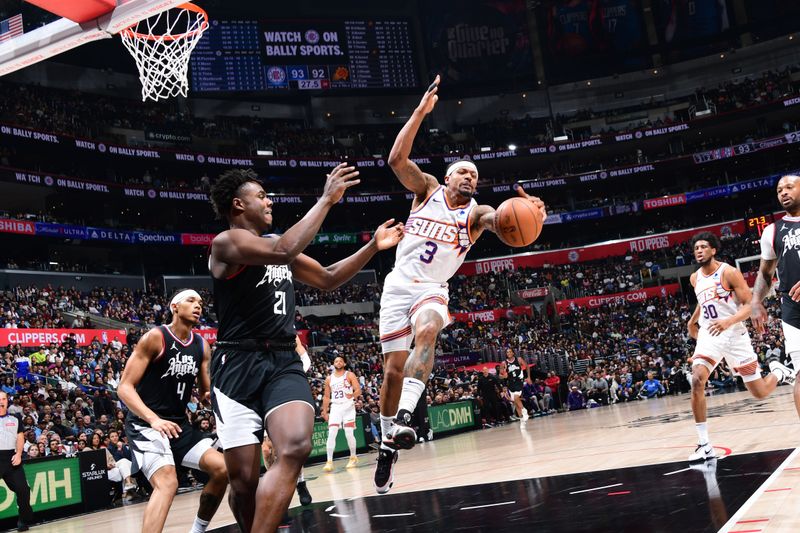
{"x": 436, "y": 240}
{"x": 716, "y": 301}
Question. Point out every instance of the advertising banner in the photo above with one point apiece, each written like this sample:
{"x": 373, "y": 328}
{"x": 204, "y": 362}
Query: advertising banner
{"x": 54, "y": 483}
{"x": 459, "y": 359}
{"x": 491, "y": 315}
{"x": 95, "y": 485}
{"x": 533, "y": 293}
{"x": 592, "y": 252}
{"x": 452, "y": 417}
{"x": 37, "y": 337}
{"x": 591, "y": 302}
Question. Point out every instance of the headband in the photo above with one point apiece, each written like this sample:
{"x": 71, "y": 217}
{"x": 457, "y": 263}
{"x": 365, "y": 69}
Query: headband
{"x": 183, "y": 295}
{"x": 461, "y": 164}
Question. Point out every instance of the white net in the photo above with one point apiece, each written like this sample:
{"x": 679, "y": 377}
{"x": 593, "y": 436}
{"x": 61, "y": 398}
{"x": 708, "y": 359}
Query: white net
{"x": 161, "y": 46}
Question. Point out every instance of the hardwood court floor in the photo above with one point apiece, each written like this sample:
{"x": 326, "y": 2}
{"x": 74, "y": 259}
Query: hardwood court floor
{"x": 649, "y": 432}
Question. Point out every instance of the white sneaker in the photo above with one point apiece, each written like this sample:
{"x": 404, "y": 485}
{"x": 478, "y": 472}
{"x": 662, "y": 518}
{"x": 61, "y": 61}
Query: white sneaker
{"x": 703, "y": 452}
{"x": 782, "y": 372}
{"x": 525, "y": 415}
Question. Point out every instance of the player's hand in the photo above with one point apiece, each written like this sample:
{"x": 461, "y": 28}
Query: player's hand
{"x": 718, "y": 326}
{"x": 537, "y": 202}
{"x": 324, "y": 416}
{"x": 206, "y": 400}
{"x": 387, "y": 236}
{"x": 16, "y": 459}
{"x": 694, "y": 329}
{"x": 794, "y": 292}
{"x": 341, "y": 178}
{"x": 758, "y": 316}
{"x": 348, "y": 396}
{"x": 171, "y": 430}
{"x": 430, "y": 97}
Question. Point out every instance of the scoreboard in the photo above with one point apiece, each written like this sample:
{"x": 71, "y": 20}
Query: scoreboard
{"x": 755, "y": 225}
{"x": 277, "y": 55}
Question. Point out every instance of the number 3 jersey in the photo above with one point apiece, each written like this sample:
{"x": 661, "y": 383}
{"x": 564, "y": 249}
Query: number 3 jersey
{"x": 715, "y": 300}
{"x": 436, "y": 240}
{"x": 166, "y": 385}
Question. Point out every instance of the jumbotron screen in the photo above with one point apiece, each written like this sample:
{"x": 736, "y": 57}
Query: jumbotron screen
{"x": 285, "y": 55}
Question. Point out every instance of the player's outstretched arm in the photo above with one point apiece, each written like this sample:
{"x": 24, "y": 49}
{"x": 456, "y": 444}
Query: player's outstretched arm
{"x": 241, "y": 247}
{"x": 326, "y": 399}
{"x": 482, "y": 217}
{"x": 406, "y": 170}
{"x": 311, "y": 272}
{"x": 734, "y": 279}
{"x": 204, "y": 377}
{"x": 147, "y": 349}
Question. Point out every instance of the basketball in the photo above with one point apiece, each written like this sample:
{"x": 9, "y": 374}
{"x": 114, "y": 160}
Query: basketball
{"x": 517, "y": 222}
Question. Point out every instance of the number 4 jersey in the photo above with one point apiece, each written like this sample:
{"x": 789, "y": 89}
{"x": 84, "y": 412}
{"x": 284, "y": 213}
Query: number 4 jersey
{"x": 716, "y": 301}
{"x": 436, "y": 240}
{"x": 166, "y": 385}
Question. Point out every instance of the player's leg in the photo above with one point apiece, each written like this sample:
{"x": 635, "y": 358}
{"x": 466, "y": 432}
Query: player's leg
{"x": 350, "y": 436}
{"x": 290, "y": 426}
{"x": 302, "y": 490}
{"x": 744, "y": 361}
{"x": 702, "y": 366}
{"x": 330, "y": 445}
{"x": 212, "y": 462}
{"x": 244, "y": 468}
{"x": 164, "y": 482}
{"x": 791, "y": 336}
{"x": 428, "y": 323}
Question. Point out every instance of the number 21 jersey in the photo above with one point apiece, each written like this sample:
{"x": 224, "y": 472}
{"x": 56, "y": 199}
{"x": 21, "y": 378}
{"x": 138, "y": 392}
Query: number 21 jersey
{"x": 436, "y": 240}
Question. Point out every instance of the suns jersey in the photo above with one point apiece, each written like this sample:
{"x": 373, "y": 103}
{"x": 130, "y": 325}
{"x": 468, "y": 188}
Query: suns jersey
{"x": 715, "y": 300}
{"x": 436, "y": 240}
{"x": 340, "y": 388}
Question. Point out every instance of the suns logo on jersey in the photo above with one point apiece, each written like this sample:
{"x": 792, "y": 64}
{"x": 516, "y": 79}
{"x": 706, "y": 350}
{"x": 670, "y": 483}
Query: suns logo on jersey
{"x": 717, "y": 292}
{"x": 457, "y": 235}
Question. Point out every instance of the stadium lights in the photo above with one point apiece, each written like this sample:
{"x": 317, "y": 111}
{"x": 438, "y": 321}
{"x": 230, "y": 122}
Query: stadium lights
{"x": 265, "y": 152}
{"x": 560, "y": 138}
{"x": 512, "y": 147}
{"x": 703, "y": 113}
{"x": 53, "y": 263}
{"x": 486, "y": 148}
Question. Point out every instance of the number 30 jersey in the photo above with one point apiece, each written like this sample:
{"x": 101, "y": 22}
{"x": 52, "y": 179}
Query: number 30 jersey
{"x": 715, "y": 300}
{"x": 436, "y": 240}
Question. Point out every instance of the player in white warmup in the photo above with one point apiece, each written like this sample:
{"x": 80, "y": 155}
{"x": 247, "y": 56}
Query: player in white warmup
{"x": 723, "y": 304}
{"x": 444, "y": 222}
{"x": 341, "y": 390}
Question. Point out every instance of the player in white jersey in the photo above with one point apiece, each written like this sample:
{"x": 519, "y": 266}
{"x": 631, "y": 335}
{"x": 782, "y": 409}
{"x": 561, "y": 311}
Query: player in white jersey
{"x": 444, "y": 223}
{"x": 723, "y": 303}
{"x": 341, "y": 390}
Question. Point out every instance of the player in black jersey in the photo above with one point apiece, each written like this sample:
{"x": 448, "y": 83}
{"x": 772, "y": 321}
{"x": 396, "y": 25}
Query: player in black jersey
{"x": 156, "y": 385}
{"x": 516, "y": 367}
{"x": 258, "y": 381}
{"x": 780, "y": 248}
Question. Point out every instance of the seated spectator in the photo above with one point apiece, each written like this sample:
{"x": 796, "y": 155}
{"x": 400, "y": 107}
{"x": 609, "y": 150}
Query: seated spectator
{"x": 575, "y": 399}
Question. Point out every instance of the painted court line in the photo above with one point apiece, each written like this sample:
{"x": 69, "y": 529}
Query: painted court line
{"x": 757, "y": 494}
{"x": 618, "y": 493}
{"x": 596, "y": 488}
{"x": 677, "y": 471}
{"x": 778, "y": 490}
{"x": 340, "y": 515}
{"x": 331, "y": 508}
{"x": 392, "y": 515}
{"x": 753, "y": 521}
{"x": 487, "y": 505}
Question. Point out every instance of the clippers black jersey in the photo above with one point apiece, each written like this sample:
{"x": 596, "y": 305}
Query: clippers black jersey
{"x": 786, "y": 244}
{"x": 256, "y": 303}
{"x": 516, "y": 376}
{"x": 166, "y": 386}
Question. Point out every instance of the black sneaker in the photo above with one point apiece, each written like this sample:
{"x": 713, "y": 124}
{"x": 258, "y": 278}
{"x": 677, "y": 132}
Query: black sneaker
{"x": 384, "y": 471}
{"x": 302, "y": 491}
{"x": 402, "y": 436}
{"x": 22, "y": 526}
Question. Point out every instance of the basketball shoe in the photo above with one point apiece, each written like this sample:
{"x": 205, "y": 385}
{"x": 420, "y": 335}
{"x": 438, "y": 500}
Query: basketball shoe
{"x": 353, "y": 462}
{"x": 302, "y": 492}
{"x": 703, "y": 452}
{"x": 328, "y": 466}
{"x": 782, "y": 372}
{"x": 384, "y": 471}
{"x": 402, "y": 436}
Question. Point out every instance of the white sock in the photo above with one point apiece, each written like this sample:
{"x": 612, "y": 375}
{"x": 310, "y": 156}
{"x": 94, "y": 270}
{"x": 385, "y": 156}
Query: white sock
{"x": 351, "y": 440}
{"x": 386, "y": 428}
{"x": 331, "y": 444}
{"x": 702, "y": 432}
{"x": 301, "y": 477}
{"x": 199, "y": 525}
{"x": 412, "y": 390}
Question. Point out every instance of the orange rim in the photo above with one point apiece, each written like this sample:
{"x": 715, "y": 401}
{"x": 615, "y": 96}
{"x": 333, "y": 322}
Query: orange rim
{"x": 188, "y": 7}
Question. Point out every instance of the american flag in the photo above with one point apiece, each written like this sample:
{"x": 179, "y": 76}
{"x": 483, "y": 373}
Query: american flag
{"x": 10, "y": 28}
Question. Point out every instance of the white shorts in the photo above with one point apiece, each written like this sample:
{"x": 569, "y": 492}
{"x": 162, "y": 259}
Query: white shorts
{"x": 341, "y": 414}
{"x": 515, "y": 394}
{"x": 401, "y": 302}
{"x": 791, "y": 341}
{"x": 151, "y": 450}
{"x": 734, "y": 347}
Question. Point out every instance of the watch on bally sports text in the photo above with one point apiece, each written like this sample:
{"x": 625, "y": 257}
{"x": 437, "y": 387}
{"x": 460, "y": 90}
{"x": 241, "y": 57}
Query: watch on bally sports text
{"x": 754, "y": 225}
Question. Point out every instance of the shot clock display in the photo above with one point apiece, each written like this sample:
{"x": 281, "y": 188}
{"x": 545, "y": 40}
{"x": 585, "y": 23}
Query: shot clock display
{"x": 755, "y": 225}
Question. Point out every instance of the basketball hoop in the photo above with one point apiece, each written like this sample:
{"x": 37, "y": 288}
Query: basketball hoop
{"x": 161, "y": 46}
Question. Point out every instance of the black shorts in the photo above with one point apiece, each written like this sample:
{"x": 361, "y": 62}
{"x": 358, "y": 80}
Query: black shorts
{"x": 247, "y": 386}
{"x": 151, "y": 450}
